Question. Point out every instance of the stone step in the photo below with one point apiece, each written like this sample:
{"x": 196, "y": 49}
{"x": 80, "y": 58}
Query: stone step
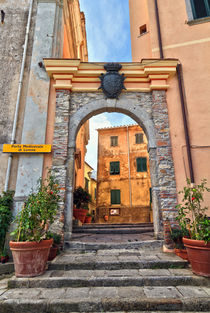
{"x": 110, "y": 230}
{"x": 116, "y": 260}
{"x": 104, "y": 299}
{"x": 111, "y": 278}
{"x": 147, "y": 244}
{"x": 125, "y": 225}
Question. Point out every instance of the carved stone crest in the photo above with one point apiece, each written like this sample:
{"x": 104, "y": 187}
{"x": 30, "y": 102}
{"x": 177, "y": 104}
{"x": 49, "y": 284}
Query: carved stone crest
{"x": 112, "y": 82}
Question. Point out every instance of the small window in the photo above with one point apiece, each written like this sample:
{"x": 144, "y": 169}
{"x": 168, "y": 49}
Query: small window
{"x": 150, "y": 195}
{"x": 86, "y": 184}
{"x": 115, "y": 196}
{"x": 114, "y": 141}
{"x": 141, "y": 164}
{"x": 95, "y": 193}
{"x": 139, "y": 138}
{"x": 143, "y": 29}
{"x": 114, "y": 168}
{"x": 200, "y": 8}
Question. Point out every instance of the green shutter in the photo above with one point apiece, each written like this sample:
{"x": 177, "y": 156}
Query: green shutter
{"x": 141, "y": 164}
{"x": 139, "y": 138}
{"x": 114, "y": 168}
{"x": 115, "y": 196}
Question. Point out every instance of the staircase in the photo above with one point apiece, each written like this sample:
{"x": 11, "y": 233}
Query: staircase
{"x": 113, "y": 236}
{"x": 114, "y": 228}
{"x": 109, "y": 280}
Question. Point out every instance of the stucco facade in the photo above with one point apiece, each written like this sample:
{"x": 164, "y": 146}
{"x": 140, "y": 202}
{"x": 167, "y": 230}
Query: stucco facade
{"x": 123, "y": 191}
{"x": 45, "y": 29}
{"x": 185, "y": 37}
{"x": 90, "y": 185}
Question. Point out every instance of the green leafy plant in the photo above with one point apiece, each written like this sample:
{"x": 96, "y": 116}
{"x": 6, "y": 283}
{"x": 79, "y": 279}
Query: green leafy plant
{"x": 38, "y": 212}
{"x": 176, "y": 235}
{"x": 81, "y": 198}
{"x": 6, "y": 204}
{"x": 4, "y": 253}
{"x": 89, "y": 214}
{"x": 56, "y": 238}
{"x": 191, "y": 214}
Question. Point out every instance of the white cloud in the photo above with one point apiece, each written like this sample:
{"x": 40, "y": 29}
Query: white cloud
{"x": 98, "y": 121}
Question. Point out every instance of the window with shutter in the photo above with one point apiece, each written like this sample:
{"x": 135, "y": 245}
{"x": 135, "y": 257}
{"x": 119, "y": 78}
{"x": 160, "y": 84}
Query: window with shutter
{"x": 114, "y": 168}
{"x": 114, "y": 141}
{"x": 115, "y": 196}
{"x": 139, "y": 138}
{"x": 200, "y": 8}
{"x": 141, "y": 164}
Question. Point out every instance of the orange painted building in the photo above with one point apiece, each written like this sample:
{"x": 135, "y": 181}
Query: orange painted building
{"x": 90, "y": 186}
{"x": 123, "y": 178}
{"x": 184, "y": 35}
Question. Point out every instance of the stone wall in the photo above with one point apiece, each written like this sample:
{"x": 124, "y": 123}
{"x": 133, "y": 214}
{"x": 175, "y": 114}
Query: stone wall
{"x": 12, "y": 37}
{"x": 149, "y": 110}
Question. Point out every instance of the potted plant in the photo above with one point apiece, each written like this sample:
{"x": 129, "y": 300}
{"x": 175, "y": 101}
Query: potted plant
{"x": 191, "y": 216}
{"x": 4, "y": 256}
{"x": 30, "y": 247}
{"x": 176, "y": 235}
{"x": 6, "y": 204}
{"x": 106, "y": 218}
{"x": 88, "y": 218}
{"x": 55, "y": 247}
{"x": 81, "y": 199}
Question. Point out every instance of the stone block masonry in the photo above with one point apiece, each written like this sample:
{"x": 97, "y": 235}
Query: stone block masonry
{"x": 149, "y": 110}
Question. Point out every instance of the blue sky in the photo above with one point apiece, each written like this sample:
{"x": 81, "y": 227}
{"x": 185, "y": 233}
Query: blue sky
{"x": 108, "y": 37}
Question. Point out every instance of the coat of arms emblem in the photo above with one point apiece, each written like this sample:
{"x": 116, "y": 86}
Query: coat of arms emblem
{"x": 112, "y": 82}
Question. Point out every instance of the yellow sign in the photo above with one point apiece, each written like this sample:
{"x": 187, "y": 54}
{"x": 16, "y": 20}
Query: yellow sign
{"x": 26, "y": 148}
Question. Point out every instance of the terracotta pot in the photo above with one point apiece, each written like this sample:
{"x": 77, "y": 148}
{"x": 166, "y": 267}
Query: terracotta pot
{"x": 106, "y": 218}
{"x": 88, "y": 219}
{"x": 30, "y": 258}
{"x": 198, "y": 255}
{"x": 53, "y": 253}
{"x": 4, "y": 259}
{"x": 80, "y": 214}
{"x": 182, "y": 253}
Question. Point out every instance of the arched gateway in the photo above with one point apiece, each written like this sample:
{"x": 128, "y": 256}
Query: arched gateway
{"x": 144, "y": 100}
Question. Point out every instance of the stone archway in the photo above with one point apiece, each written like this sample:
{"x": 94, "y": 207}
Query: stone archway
{"x": 149, "y": 110}
{"x": 77, "y": 99}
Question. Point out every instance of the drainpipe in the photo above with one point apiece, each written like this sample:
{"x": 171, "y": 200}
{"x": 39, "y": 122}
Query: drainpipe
{"x": 129, "y": 169}
{"x": 184, "y": 116}
{"x": 18, "y": 95}
{"x": 159, "y": 30}
{"x": 181, "y": 92}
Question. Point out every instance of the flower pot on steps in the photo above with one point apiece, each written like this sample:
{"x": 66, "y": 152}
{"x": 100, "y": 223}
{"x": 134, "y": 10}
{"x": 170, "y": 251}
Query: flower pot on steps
{"x": 30, "y": 257}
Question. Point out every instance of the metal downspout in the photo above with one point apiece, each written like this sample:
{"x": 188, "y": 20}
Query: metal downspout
{"x": 184, "y": 115}
{"x": 181, "y": 92}
{"x": 18, "y": 95}
{"x": 159, "y": 30}
{"x": 129, "y": 169}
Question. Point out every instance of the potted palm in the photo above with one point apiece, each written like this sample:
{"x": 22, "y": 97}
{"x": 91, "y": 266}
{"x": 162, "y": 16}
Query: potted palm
{"x": 30, "y": 247}
{"x": 191, "y": 216}
{"x": 81, "y": 200}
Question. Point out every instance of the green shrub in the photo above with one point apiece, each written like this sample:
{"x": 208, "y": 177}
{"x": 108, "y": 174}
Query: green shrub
{"x": 6, "y": 205}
